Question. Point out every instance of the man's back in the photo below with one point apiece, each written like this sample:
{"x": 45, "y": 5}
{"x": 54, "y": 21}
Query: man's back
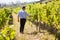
{"x": 22, "y": 14}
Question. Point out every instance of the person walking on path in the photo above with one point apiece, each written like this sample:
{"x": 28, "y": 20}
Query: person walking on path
{"x": 22, "y": 16}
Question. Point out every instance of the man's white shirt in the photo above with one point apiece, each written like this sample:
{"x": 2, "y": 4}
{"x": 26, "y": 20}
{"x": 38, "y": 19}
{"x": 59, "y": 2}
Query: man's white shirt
{"x": 22, "y": 14}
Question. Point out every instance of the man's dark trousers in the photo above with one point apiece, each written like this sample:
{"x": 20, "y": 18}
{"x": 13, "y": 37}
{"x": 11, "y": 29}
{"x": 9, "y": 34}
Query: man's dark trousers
{"x": 22, "y": 23}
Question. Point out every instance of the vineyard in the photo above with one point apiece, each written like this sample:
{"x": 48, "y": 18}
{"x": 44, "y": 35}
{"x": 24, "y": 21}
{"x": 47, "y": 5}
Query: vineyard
{"x": 6, "y": 33}
{"x": 46, "y": 15}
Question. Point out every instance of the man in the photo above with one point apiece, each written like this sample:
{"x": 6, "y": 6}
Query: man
{"x": 22, "y": 15}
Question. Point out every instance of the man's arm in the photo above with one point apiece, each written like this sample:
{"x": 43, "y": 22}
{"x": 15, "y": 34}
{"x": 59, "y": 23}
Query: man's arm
{"x": 18, "y": 18}
{"x": 27, "y": 14}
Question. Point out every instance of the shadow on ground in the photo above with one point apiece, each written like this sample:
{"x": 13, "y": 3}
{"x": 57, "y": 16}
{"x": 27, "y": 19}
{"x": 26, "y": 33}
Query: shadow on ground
{"x": 51, "y": 29}
{"x": 33, "y": 33}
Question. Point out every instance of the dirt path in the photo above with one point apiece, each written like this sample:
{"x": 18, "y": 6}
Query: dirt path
{"x": 29, "y": 31}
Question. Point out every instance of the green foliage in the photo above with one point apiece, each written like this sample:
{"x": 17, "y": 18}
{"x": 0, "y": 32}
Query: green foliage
{"x": 48, "y": 13}
{"x": 16, "y": 10}
{"x": 4, "y": 14}
{"x": 7, "y": 33}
